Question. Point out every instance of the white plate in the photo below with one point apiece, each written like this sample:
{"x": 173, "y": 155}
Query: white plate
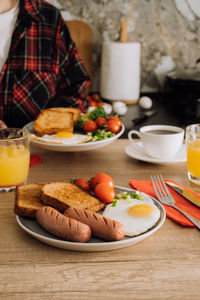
{"x": 76, "y": 147}
{"x": 141, "y": 155}
{"x": 33, "y": 228}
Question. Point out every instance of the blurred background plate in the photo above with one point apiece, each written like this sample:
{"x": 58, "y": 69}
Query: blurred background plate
{"x": 76, "y": 147}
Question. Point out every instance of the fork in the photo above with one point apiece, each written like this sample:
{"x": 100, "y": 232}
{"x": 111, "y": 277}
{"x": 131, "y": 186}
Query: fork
{"x": 166, "y": 198}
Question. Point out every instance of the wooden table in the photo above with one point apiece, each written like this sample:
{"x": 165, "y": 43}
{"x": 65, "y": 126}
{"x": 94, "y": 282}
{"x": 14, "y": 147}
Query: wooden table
{"x": 166, "y": 265}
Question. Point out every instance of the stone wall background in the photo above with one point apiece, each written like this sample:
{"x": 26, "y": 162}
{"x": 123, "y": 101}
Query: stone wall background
{"x": 168, "y": 30}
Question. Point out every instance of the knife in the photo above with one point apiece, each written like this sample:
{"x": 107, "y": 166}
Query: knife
{"x": 144, "y": 116}
{"x": 185, "y": 193}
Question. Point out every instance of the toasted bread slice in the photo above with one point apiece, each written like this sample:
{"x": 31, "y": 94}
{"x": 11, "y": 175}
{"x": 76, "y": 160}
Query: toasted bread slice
{"x": 27, "y": 200}
{"x": 62, "y": 195}
{"x": 74, "y": 110}
{"x": 52, "y": 121}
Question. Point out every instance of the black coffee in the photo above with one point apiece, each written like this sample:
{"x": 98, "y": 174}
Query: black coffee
{"x": 161, "y": 131}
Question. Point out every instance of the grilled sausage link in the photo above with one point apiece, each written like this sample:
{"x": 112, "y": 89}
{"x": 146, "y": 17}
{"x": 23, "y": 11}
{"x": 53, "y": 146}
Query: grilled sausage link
{"x": 101, "y": 226}
{"x": 62, "y": 226}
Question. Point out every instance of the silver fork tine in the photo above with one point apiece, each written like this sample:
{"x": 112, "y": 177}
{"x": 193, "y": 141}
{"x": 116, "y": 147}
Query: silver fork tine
{"x": 156, "y": 186}
{"x": 153, "y": 179}
{"x": 163, "y": 186}
{"x": 167, "y": 193}
{"x": 160, "y": 186}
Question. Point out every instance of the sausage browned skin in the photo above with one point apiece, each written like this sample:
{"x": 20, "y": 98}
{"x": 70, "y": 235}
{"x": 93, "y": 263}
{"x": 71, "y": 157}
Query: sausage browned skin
{"x": 61, "y": 226}
{"x": 101, "y": 226}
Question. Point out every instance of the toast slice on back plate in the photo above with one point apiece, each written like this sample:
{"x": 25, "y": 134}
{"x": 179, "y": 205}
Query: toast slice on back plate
{"x": 62, "y": 195}
{"x": 51, "y": 121}
{"x": 74, "y": 110}
{"x": 27, "y": 200}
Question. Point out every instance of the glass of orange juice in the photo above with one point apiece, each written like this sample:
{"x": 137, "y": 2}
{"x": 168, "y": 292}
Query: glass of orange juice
{"x": 193, "y": 152}
{"x": 14, "y": 157}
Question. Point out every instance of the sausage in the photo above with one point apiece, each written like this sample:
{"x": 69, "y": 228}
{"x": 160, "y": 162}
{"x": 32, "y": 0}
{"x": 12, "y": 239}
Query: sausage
{"x": 62, "y": 226}
{"x": 101, "y": 226}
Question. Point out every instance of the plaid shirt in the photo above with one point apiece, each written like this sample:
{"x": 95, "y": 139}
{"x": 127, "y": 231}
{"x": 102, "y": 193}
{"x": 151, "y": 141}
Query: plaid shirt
{"x": 43, "y": 68}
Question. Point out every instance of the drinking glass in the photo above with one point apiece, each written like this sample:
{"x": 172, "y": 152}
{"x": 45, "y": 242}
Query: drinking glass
{"x": 14, "y": 157}
{"x": 193, "y": 152}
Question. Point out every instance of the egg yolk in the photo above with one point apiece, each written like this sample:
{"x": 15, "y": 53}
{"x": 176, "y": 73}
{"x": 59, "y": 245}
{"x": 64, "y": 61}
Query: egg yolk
{"x": 142, "y": 210}
{"x": 64, "y": 134}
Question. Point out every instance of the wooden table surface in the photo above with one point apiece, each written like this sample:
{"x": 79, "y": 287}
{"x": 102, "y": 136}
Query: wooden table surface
{"x": 166, "y": 265}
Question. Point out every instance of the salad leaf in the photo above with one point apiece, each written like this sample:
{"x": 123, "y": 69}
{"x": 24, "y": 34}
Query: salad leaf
{"x": 79, "y": 123}
{"x": 98, "y": 112}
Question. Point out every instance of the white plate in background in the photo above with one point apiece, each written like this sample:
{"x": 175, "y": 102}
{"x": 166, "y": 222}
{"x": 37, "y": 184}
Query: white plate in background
{"x": 74, "y": 147}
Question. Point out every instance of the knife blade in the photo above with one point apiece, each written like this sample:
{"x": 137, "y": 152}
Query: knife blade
{"x": 185, "y": 193}
{"x": 144, "y": 116}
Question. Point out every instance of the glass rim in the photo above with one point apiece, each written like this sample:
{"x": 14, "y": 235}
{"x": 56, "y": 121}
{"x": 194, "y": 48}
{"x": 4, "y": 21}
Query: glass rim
{"x": 24, "y": 131}
{"x": 188, "y": 127}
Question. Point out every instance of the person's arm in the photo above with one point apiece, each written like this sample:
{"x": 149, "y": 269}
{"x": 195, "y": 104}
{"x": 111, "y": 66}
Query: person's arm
{"x": 2, "y": 125}
{"x": 72, "y": 75}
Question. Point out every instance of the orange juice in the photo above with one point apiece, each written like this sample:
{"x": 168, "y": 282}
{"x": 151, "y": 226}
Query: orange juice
{"x": 193, "y": 158}
{"x": 14, "y": 164}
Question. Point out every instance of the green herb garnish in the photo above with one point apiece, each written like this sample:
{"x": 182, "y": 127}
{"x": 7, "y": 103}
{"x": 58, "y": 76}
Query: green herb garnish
{"x": 129, "y": 196}
{"x": 100, "y": 134}
{"x": 114, "y": 203}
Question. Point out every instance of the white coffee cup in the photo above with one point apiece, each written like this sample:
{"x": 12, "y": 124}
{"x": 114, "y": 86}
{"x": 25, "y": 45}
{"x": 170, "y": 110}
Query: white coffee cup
{"x": 159, "y": 141}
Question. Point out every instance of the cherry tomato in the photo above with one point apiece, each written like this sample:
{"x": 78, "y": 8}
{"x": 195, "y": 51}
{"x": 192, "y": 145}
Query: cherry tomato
{"x": 89, "y": 126}
{"x": 96, "y": 97}
{"x": 92, "y": 103}
{"x": 83, "y": 183}
{"x": 113, "y": 118}
{"x": 104, "y": 192}
{"x": 100, "y": 122}
{"x": 102, "y": 178}
{"x": 113, "y": 126}
{"x": 99, "y": 103}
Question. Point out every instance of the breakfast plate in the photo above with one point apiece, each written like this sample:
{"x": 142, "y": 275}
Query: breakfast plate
{"x": 73, "y": 146}
{"x": 94, "y": 244}
{"x": 141, "y": 155}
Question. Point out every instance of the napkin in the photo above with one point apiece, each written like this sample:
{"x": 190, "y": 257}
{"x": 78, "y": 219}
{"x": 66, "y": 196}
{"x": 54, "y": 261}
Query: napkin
{"x": 147, "y": 187}
{"x": 35, "y": 160}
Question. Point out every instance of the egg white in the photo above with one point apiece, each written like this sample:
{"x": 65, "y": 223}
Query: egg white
{"x": 75, "y": 139}
{"x": 134, "y": 225}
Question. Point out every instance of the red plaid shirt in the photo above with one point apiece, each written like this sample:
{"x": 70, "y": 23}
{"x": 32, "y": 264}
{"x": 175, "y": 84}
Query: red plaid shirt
{"x": 43, "y": 68}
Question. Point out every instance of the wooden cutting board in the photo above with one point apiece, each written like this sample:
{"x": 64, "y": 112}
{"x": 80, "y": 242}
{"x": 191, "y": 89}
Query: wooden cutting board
{"x": 82, "y": 35}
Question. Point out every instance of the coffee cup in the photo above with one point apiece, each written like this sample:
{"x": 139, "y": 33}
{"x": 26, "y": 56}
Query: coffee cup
{"x": 159, "y": 141}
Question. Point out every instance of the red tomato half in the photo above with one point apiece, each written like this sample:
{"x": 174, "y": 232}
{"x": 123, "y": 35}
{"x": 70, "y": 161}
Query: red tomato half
{"x": 90, "y": 126}
{"x": 100, "y": 122}
{"x": 113, "y": 126}
{"x": 116, "y": 119}
{"x": 104, "y": 192}
{"x": 83, "y": 183}
{"x": 102, "y": 178}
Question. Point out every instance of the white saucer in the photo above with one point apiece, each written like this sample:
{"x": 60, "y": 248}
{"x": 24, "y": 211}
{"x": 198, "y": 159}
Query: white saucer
{"x": 141, "y": 155}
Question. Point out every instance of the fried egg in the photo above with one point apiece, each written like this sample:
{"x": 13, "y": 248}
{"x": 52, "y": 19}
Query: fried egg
{"x": 63, "y": 137}
{"x": 137, "y": 216}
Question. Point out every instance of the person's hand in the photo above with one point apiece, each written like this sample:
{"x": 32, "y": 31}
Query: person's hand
{"x": 2, "y": 125}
